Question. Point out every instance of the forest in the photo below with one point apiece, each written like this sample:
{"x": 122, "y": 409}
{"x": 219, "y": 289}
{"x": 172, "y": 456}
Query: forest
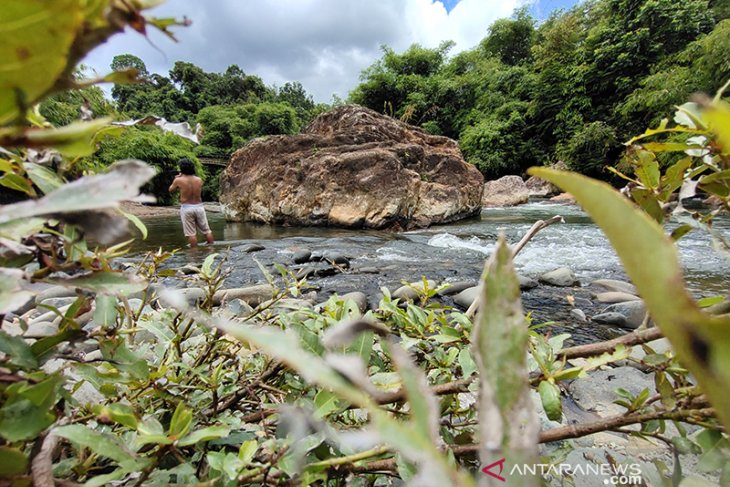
{"x": 573, "y": 87}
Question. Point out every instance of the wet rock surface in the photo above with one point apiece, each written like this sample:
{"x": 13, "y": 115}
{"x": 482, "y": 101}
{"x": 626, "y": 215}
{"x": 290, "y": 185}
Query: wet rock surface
{"x": 352, "y": 167}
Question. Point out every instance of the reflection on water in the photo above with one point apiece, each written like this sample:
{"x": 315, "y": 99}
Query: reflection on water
{"x": 166, "y": 232}
{"x": 577, "y": 244}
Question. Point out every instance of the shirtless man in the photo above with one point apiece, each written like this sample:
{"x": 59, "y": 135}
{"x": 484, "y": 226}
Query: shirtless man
{"x": 192, "y": 212}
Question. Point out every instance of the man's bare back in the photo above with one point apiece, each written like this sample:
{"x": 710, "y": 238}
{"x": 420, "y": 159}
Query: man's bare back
{"x": 190, "y": 188}
{"x": 192, "y": 212}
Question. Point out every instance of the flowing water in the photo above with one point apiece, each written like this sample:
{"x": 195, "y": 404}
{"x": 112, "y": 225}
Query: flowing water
{"x": 453, "y": 252}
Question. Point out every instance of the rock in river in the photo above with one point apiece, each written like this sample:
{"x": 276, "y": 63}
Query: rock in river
{"x": 561, "y": 276}
{"x": 352, "y": 167}
{"x": 505, "y": 191}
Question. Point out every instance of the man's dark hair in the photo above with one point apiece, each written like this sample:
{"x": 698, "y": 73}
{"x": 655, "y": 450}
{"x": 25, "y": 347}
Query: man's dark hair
{"x": 186, "y": 166}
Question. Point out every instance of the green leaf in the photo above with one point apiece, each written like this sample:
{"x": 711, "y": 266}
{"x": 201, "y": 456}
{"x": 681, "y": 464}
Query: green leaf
{"x": 103, "y": 444}
{"x": 124, "y": 359}
{"x": 112, "y": 283}
{"x": 423, "y": 405}
{"x": 18, "y": 351}
{"x": 12, "y": 462}
{"x": 717, "y": 183}
{"x": 647, "y": 169}
{"x": 669, "y": 146}
{"x": 702, "y": 343}
{"x": 207, "y": 268}
{"x": 718, "y": 120}
{"x": 685, "y": 446}
{"x": 119, "y": 413}
{"x": 648, "y": 202}
{"x": 551, "y": 403}
{"x": 42, "y": 177}
{"x": 16, "y": 183}
{"x": 181, "y": 421}
{"x": 204, "y": 434}
{"x": 105, "y": 313}
{"x": 711, "y": 301}
{"x": 42, "y": 348}
{"x": 247, "y": 451}
{"x": 139, "y": 224}
{"x": 499, "y": 344}
{"x": 27, "y": 411}
{"x": 468, "y": 366}
{"x": 37, "y": 37}
{"x": 121, "y": 182}
{"x": 74, "y": 140}
{"x": 325, "y": 402}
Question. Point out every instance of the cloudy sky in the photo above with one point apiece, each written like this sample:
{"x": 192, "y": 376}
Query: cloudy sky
{"x": 324, "y": 44}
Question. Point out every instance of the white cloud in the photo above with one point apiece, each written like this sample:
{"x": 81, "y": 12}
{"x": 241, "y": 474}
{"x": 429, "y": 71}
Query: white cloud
{"x": 324, "y": 44}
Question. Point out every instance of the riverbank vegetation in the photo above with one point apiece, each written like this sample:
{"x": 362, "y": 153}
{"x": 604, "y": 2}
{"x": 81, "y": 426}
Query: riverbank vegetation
{"x": 109, "y": 378}
{"x": 573, "y": 87}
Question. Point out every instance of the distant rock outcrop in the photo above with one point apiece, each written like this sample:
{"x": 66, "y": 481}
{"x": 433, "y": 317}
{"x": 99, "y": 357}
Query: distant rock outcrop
{"x": 541, "y": 188}
{"x": 505, "y": 191}
{"x": 352, "y": 167}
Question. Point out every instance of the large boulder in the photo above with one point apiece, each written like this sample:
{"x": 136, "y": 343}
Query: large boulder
{"x": 505, "y": 191}
{"x": 351, "y": 167}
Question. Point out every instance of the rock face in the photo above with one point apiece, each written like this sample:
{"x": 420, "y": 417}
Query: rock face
{"x": 505, "y": 191}
{"x": 541, "y": 188}
{"x": 352, "y": 167}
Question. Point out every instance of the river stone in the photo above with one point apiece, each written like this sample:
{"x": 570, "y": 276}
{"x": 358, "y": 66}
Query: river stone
{"x": 334, "y": 257}
{"x": 305, "y": 272}
{"x": 367, "y": 270}
{"x": 615, "y": 297}
{"x": 660, "y": 345}
{"x": 301, "y": 256}
{"x": 253, "y": 295}
{"x": 633, "y": 311}
{"x": 192, "y": 294}
{"x": 252, "y": 248}
{"x": 614, "y": 285}
{"x": 41, "y": 329}
{"x": 563, "y": 198}
{"x": 611, "y": 319}
{"x": 409, "y": 293}
{"x": 505, "y": 191}
{"x": 352, "y": 167}
{"x": 562, "y": 277}
{"x": 596, "y": 392}
{"x": 58, "y": 302}
{"x": 578, "y": 314}
{"x": 466, "y": 297}
{"x": 189, "y": 269}
{"x": 456, "y": 287}
{"x": 541, "y": 188}
{"x": 55, "y": 292}
{"x": 239, "y": 308}
{"x": 526, "y": 282}
{"x": 359, "y": 298}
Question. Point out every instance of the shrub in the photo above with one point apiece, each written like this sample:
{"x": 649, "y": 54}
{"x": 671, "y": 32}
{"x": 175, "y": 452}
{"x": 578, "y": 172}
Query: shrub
{"x": 591, "y": 148}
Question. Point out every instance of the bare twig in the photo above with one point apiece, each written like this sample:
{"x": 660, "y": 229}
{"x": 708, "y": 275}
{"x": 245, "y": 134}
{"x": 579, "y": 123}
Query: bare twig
{"x": 41, "y": 467}
{"x": 614, "y": 423}
{"x": 536, "y": 227}
{"x": 593, "y": 349}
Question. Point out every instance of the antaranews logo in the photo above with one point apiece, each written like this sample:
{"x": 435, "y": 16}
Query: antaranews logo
{"x": 499, "y": 463}
{"x": 629, "y": 474}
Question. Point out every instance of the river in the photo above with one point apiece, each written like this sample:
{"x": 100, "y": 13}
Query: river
{"x": 454, "y": 252}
